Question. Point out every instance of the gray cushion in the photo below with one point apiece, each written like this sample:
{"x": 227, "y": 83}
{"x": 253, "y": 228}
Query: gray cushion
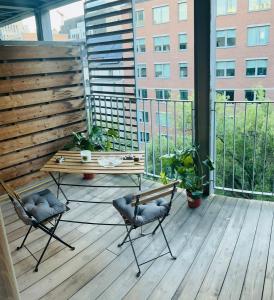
{"x": 42, "y": 205}
{"x": 146, "y": 212}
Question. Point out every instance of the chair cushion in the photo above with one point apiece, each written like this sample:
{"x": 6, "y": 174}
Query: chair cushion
{"x": 42, "y": 205}
{"x": 145, "y": 212}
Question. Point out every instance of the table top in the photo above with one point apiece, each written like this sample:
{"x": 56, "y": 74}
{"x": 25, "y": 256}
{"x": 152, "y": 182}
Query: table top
{"x": 73, "y": 163}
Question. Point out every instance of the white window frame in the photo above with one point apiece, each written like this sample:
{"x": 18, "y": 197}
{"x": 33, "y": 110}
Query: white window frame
{"x": 163, "y": 90}
{"x": 258, "y": 26}
{"x": 139, "y": 66}
{"x": 159, "y": 37}
{"x": 143, "y": 136}
{"x": 181, "y": 63}
{"x": 256, "y": 68}
{"x": 136, "y": 20}
{"x": 142, "y": 116}
{"x": 137, "y": 45}
{"x": 226, "y": 37}
{"x": 225, "y": 92}
{"x": 179, "y": 35}
{"x": 184, "y": 90}
{"x": 259, "y": 9}
{"x": 226, "y": 61}
{"x": 186, "y": 15}
{"x": 226, "y": 13}
{"x": 159, "y": 7}
{"x": 162, "y": 64}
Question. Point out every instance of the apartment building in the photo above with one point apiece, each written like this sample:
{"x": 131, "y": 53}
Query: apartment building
{"x": 244, "y": 48}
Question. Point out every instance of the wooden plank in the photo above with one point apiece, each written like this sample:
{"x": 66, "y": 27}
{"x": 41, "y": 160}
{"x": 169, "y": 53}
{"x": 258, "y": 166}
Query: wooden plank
{"x": 213, "y": 281}
{"x": 39, "y": 138}
{"x": 233, "y": 283}
{"x": 254, "y": 280}
{"x": 34, "y": 52}
{"x": 32, "y": 153}
{"x": 172, "y": 279}
{"x": 38, "y": 125}
{"x": 39, "y": 67}
{"x": 24, "y": 168}
{"x": 38, "y": 111}
{"x": 8, "y": 285}
{"x": 39, "y": 82}
{"x": 38, "y": 97}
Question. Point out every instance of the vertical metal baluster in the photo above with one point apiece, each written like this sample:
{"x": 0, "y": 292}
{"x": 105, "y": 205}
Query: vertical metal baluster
{"x": 145, "y": 136}
{"x": 106, "y": 113}
{"x": 243, "y": 174}
{"x": 124, "y": 120}
{"x": 111, "y": 116}
{"x": 214, "y": 146}
{"x": 184, "y": 133}
{"x": 265, "y": 143}
{"x": 193, "y": 121}
{"x": 130, "y": 116}
{"x": 152, "y": 137}
{"x": 175, "y": 123}
{"x": 100, "y": 107}
{"x": 254, "y": 150}
{"x": 233, "y": 155}
{"x": 167, "y": 125}
{"x": 118, "y": 121}
{"x": 224, "y": 138}
{"x": 160, "y": 138}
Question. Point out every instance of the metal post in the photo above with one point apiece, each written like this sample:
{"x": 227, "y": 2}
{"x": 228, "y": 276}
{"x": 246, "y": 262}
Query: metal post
{"x": 202, "y": 24}
{"x": 43, "y": 25}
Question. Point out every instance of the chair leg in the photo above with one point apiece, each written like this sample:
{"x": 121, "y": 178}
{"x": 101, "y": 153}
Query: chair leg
{"x": 172, "y": 256}
{"x": 133, "y": 250}
{"x": 51, "y": 236}
{"x": 18, "y": 248}
{"x": 125, "y": 238}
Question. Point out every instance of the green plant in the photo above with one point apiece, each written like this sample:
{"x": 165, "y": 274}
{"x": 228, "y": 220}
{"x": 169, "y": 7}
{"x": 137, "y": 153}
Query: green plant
{"x": 187, "y": 166}
{"x": 97, "y": 139}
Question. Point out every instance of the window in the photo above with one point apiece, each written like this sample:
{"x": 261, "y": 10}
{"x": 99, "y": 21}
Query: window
{"x": 141, "y": 45}
{"x": 257, "y": 36}
{"x": 259, "y": 4}
{"x": 256, "y": 67}
{"x": 141, "y": 71}
{"x": 161, "y": 14}
{"x": 225, "y": 68}
{"x": 225, "y": 7}
{"x": 183, "y": 41}
{"x": 161, "y": 43}
{"x": 162, "y": 70}
{"x": 163, "y": 119}
{"x": 140, "y": 18}
{"x": 163, "y": 94}
{"x": 227, "y": 94}
{"x": 183, "y": 70}
{"x": 143, "y": 116}
{"x": 182, "y": 10}
{"x": 184, "y": 95}
{"x": 142, "y": 93}
{"x": 253, "y": 95}
{"x": 144, "y": 136}
{"x": 225, "y": 38}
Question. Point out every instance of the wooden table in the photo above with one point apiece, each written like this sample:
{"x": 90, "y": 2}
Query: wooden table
{"x": 73, "y": 165}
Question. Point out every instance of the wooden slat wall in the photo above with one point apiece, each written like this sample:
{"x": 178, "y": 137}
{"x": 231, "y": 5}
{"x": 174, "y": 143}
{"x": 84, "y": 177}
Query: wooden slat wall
{"x": 41, "y": 103}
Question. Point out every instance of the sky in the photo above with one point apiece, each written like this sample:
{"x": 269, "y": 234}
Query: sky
{"x": 58, "y": 15}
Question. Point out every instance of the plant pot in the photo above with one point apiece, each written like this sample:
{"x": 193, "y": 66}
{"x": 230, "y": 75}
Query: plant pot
{"x": 88, "y": 176}
{"x": 193, "y": 202}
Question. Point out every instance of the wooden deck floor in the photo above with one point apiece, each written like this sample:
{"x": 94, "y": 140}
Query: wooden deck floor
{"x": 224, "y": 249}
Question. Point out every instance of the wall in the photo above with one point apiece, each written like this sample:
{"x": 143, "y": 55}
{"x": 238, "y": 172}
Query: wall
{"x": 41, "y": 104}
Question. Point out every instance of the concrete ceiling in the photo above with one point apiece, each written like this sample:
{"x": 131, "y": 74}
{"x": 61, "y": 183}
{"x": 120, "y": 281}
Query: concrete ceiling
{"x": 15, "y": 10}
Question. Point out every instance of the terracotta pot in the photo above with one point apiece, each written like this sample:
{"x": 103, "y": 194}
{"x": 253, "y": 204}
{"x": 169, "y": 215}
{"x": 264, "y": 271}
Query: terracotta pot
{"x": 88, "y": 176}
{"x": 192, "y": 203}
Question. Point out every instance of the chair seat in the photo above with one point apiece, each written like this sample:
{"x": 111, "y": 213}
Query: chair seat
{"x": 43, "y": 205}
{"x": 145, "y": 212}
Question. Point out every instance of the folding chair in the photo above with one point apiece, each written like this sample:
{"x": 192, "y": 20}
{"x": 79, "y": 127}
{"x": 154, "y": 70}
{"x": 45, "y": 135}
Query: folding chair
{"x": 36, "y": 210}
{"x": 143, "y": 208}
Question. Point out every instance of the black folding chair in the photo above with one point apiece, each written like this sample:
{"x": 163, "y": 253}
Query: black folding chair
{"x": 143, "y": 208}
{"x": 36, "y": 210}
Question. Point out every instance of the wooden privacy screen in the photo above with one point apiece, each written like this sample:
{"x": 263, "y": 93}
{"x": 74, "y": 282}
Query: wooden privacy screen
{"x": 41, "y": 103}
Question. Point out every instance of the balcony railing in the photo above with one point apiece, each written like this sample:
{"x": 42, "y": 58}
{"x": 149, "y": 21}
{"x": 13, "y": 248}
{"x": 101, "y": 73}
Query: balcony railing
{"x": 243, "y": 143}
{"x": 244, "y": 146}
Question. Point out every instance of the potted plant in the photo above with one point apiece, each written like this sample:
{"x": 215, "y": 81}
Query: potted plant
{"x": 98, "y": 139}
{"x": 187, "y": 166}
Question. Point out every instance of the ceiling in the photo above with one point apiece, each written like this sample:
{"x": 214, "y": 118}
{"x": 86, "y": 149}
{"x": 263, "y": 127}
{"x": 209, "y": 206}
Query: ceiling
{"x": 15, "y": 10}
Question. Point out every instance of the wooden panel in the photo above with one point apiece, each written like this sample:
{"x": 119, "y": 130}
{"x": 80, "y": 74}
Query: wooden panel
{"x": 34, "y": 52}
{"x": 39, "y": 67}
{"x": 41, "y": 104}
{"x": 38, "y": 82}
{"x": 37, "y": 97}
{"x": 39, "y": 138}
{"x": 24, "y": 128}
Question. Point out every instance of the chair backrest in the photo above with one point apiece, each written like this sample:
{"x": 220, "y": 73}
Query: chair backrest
{"x": 156, "y": 193}
{"x": 17, "y": 204}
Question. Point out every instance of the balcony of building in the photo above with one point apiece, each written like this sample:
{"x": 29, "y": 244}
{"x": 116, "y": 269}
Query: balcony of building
{"x": 224, "y": 248}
